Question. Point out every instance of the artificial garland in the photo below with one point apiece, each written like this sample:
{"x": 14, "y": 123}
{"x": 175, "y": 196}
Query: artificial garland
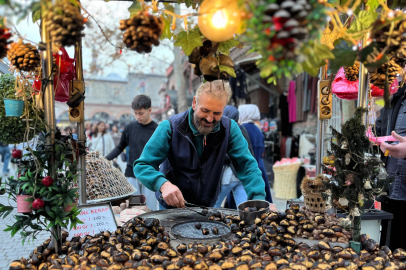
{"x": 280, "y": 31}
{"x": 4, "y": 41}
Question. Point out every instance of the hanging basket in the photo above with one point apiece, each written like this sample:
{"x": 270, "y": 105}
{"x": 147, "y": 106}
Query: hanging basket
{"x": 14, "y": 107}
{"x": 23, "y": 206}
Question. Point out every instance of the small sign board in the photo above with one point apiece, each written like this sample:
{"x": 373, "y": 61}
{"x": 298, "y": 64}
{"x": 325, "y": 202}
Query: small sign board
{"x": 96, "y": 218}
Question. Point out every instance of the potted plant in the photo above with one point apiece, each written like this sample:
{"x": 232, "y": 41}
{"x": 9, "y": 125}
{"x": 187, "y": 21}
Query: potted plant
{"x": 49, "y": 194}
{"x": 12, "y": 129}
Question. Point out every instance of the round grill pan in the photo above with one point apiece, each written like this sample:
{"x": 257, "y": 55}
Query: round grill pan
{"x": 187, "y": 230}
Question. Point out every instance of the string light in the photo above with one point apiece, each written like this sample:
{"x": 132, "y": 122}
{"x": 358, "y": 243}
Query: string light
{"x": 219, "y": 20}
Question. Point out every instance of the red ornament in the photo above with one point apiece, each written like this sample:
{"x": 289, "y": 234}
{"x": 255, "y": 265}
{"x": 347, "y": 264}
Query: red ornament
{"x": 47, "y": 181}
{"x": 38, "y": 204}
{"x": 17, "y": 153}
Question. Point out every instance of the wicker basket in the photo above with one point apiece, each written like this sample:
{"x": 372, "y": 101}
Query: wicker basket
{"x": 285, "y": 180}
{"x": 314, "y": 202}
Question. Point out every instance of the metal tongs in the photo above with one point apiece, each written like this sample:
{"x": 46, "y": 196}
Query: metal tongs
{"x": 188, "y": 205}
{"x": 203, "y": 213}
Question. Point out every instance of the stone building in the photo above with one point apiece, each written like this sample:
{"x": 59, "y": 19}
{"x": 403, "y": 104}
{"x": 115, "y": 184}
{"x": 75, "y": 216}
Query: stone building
{"x": 109, "y": 98}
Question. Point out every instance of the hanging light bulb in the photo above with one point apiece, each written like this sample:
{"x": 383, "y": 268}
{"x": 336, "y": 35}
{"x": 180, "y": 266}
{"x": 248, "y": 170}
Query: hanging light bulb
{"x": 219, "y": 20}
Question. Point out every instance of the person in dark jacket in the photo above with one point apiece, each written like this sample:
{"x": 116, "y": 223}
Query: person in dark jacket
{"x": 192, "y": 146}
{"x": 135, "y": 136}
{"x": 249, "y": 114}
{"x": 394, "y": 119}
{"x": 229, "y": 180}
{"x": 5, "y": 156}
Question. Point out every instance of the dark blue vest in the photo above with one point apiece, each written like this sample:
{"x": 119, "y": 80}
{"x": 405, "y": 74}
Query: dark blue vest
{"x": 199, "y": 179}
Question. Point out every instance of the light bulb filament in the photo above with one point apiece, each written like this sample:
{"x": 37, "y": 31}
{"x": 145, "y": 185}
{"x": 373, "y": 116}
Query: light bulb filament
{"x": 219, "y": 19}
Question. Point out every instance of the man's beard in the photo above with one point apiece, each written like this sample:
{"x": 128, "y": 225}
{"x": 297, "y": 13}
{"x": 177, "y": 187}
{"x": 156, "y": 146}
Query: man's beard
{"x": 198, "y": 122}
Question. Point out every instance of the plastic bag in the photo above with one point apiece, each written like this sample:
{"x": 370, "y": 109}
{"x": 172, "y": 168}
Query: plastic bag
{"x": 66, "y": 68}
{"x": 67, "y": 72}
{"x": 346, "y": 89}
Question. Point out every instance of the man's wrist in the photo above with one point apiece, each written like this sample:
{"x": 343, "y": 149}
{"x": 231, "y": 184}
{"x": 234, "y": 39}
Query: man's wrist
{"x": 160, "y": 189}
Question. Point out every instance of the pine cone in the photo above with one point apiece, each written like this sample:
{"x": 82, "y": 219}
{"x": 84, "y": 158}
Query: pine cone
{"x": 142, "y": 31}
{"x": 289, "y": 25}
{"x": 65, "y": 23}
{"x": 396, "y": 40}
{"x": 23, "y": 56}
{"x": 378, "y": 77}
{"x": 352, "y": 72}
{"x": 4, "y": 41}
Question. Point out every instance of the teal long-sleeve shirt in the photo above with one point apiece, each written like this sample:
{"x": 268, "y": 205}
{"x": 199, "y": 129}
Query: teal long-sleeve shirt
{"x": 146, "y": 168}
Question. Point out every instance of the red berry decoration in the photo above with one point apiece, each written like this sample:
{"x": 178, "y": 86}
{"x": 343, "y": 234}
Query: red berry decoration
{"x": 47, "y": 181}
{"x": 38, "y": 204}
{"x": 17, "y": 153}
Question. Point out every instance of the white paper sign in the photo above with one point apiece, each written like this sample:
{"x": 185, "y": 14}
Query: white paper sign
{"x": 95, "y": 218}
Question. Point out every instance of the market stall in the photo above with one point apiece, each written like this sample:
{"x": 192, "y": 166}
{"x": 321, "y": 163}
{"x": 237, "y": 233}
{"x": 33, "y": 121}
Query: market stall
{"x": 56, "y": 173}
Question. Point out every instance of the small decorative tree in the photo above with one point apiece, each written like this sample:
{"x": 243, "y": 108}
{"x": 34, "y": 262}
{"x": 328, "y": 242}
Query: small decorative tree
{"x": 358, "y": 173}
{"x": 49, "y": 196}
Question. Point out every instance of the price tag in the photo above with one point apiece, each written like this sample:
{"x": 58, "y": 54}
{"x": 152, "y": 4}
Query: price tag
{"x": 96, "y": 218}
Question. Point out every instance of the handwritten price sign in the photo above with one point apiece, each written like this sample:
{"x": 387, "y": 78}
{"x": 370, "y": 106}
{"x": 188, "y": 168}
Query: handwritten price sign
{"x": 95, "y": 218}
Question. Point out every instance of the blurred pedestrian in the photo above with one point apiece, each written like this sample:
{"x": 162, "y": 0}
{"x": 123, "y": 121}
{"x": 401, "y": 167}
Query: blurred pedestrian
{"x": 69, "y": 131}
{"x": 115, "y": 134}
{"x": 93, "y": 130}
{"x": 249, "y": 114}
{"x": 101, "y": 140}
{"x": 229, "y": 180}
{"x": 5, "y": 157}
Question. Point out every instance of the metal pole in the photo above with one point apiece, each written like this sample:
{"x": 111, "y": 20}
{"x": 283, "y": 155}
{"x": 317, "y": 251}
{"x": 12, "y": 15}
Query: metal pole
{"x": 320, "y": 128}
{"x": 81, "y": 129}
{"x": 363, "y": 85}
{"x": 49, "y": 107}
{"x": 49, "y": 103}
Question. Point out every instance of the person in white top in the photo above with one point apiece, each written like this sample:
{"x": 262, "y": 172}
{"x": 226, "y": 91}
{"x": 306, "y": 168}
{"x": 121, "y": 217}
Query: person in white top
{"x": 101, "y": 140}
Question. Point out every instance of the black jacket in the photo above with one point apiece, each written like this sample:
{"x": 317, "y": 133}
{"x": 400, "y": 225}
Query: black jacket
{"x": 386, "y": 121}
{"x": 136, "y": 136}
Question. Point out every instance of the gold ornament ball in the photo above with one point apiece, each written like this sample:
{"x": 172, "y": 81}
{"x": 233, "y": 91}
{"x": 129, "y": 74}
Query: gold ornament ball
{"x": 219, "y": 20}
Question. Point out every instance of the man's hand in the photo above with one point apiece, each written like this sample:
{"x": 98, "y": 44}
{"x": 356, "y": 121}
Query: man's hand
{"x": 172, "y": 195}
{"x": 395, "y": 150}
{"x": 272, "y": 208}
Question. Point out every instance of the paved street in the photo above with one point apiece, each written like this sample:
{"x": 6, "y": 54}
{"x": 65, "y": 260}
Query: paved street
{"x": 11, "y": 248}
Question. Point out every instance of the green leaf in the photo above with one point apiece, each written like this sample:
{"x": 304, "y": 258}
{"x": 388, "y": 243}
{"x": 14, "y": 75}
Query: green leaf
{"x": 369, "y": 57}
{"x": 36, "y": 15}
{"x": 373, "y": 4}
{"x": 363, "y": 21}
{"x": 166, "y": 33}
{"x": 188, "y": 40}
{"x": 323, "y": 52}
{"x": 344, "y": 55}
{"x": 309, "y": 68}
{"x": 226, "y": 46}
{"x": 134, "y": 8}
{"x": 230, "y": 71}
